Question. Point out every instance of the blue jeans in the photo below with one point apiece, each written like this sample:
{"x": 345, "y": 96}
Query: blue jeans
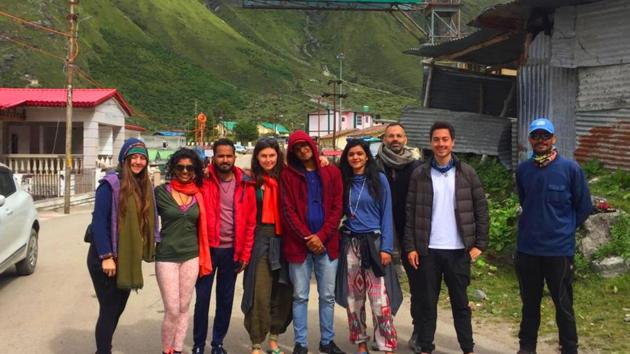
{"x": 325, "y": 273}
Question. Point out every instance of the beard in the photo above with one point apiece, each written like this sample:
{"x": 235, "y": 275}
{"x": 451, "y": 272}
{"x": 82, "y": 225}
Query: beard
{"x": 397, "y": 148}
{"x": 224, "y": 167}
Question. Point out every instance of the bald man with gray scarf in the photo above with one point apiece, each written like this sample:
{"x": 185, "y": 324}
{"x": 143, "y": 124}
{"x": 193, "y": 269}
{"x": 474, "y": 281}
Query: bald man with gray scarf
{"x": 396, "y": 160}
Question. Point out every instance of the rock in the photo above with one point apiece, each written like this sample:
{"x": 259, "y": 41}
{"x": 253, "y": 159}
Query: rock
{"x": 597, "y": 232}
{"x": 479, "y": 295}
{"x": 611, "y": 266}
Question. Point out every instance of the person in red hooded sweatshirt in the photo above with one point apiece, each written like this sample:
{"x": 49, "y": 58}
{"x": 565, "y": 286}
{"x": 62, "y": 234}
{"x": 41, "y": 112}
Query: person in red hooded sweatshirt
{"x": 311, "y": 198}
{"x": 231, "y": 218}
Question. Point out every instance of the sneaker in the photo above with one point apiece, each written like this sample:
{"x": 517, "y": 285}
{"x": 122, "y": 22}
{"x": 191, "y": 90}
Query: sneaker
{"x": 197, "y": 350}
{"x": 299, "y": 349}
{"x": 330, "y": 348}
{"x": 218, "y": 350}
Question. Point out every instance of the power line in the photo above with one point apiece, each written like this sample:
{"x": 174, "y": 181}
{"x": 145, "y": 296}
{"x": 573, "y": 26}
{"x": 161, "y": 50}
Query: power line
{"x": 26, "y": 22}
{"x": 26, "y": 45}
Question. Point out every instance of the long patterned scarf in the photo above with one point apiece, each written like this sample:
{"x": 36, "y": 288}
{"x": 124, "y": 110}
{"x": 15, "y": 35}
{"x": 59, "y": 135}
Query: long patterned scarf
{"x": 545, "y": 159}
{"x": 205, "y": 263}
{"x": 133, "y": 246}
{"x": 270, "y": 205}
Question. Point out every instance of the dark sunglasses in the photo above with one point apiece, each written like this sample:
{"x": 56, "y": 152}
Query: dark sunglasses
{"x": 541, "y": 136}
{"x": 181, "y": 168}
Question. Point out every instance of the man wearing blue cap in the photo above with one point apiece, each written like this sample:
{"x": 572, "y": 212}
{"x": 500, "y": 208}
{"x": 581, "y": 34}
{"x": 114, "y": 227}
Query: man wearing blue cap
{"x": 555, "y": 199}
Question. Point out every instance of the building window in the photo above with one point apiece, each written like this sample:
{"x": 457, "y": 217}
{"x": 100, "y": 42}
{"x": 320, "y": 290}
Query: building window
{"x": 358, "y": 120}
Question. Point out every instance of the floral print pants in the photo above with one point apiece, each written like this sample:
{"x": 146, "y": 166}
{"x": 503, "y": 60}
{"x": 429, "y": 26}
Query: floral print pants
{"x": 362, "y": 282}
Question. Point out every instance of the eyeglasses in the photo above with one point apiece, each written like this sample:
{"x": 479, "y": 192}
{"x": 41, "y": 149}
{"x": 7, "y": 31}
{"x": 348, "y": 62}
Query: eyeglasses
{"x": 181, "y": 168}
{"x": 540, "y": 136}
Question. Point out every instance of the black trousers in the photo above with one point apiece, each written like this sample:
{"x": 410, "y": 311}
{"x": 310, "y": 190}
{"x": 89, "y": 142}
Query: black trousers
{"x": 111, "y": 301}
{"x": 225, "y": 268}
{"x": 415, "y": 287}
{"x": 557, "y": 272}
{"x": 454, "y": 267}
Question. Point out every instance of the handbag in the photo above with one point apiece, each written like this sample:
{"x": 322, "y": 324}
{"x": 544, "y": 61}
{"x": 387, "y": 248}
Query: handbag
{"x": 88, "y": 234}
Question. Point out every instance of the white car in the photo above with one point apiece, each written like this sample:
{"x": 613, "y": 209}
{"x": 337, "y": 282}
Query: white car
{"x": 19, "y": 226}
{"x": 240, "y": 149}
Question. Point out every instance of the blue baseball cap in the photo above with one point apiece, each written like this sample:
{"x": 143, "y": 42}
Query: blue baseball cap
{"x": 541, "y": 124}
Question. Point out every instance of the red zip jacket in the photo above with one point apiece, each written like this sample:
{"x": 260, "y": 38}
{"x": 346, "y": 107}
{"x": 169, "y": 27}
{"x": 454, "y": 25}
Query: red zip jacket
{"x": 294, "y": 200}
{"x": 244, "y": 212}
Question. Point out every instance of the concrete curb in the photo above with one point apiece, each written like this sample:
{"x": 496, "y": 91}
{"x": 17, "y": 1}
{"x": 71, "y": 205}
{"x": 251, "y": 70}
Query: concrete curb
{"x": 55, "y": 203}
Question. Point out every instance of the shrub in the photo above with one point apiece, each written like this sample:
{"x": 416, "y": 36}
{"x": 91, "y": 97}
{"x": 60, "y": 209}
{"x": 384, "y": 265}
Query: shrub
{"x": 503, "y": 223}
{"x": 619, "y": 244}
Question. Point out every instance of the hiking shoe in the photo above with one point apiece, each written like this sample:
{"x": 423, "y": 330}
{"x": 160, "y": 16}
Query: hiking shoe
{"x": 299, "y": 349}
{"x": 218, "y": 350}
{"x": 330, "y": 348}
{"x": 413, "y": 343}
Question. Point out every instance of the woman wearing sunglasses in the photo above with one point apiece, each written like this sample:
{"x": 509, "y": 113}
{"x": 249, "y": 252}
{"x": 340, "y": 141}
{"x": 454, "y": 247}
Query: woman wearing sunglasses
{"x": 183, "y": 252}
{"x": 124, "y": 231}
{"x": 367, "y": 242}
{"x": 268, "y": 308}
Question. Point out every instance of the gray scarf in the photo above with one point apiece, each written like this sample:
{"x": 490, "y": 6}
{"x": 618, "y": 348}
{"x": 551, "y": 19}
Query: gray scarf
{"x": 393, "y": 160}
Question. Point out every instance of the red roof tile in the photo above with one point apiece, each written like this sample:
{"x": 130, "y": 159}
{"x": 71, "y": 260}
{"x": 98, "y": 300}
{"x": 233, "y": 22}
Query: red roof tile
{"x": 134, "y": 127}
{"x": 36, "y": 97}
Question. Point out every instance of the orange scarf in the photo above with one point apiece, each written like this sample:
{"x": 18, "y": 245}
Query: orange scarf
{"x": 270, "y": 205}
{"x": 205, "y": 263}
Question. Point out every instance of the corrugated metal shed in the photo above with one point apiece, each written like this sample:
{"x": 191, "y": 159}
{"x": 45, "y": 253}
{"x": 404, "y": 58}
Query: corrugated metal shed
{"x": 546, "y": 91}
{"x": 461, "y": 90}
{"x": 494, "y": 47}
{"x": 604, "y": 87}
{"x": 592, "y": 35}
{"x": 605, "y": 136}
{"x": 474, "y": 133}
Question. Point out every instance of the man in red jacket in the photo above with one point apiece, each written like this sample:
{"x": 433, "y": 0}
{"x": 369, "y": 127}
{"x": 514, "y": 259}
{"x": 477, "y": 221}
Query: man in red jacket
{"x": 312, "y": 208}
{"x": 231, "y": 218}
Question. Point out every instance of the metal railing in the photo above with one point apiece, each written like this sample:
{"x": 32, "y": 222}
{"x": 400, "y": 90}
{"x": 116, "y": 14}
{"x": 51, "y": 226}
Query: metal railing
{"x": 51, "y": 185}
{"x": 40, "y": 163}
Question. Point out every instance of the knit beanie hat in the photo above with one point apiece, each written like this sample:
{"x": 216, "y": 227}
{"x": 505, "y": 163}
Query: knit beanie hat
{"x": 130, "y": 147}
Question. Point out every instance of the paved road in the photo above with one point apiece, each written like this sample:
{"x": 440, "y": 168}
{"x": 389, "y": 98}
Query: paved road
{"x": 53, "y": 310}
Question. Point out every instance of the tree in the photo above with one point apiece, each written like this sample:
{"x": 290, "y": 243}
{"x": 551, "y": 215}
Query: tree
{"x": 246, "y": 130}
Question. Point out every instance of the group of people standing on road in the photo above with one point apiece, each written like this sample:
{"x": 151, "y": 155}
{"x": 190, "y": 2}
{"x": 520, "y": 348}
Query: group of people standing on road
{"x": 290, "y": 216}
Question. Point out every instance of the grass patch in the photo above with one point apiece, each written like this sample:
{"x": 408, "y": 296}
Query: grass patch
{"x": 619, "y": 244}
{"x": 613, "y": 185}
{"x": 600, "y": 305}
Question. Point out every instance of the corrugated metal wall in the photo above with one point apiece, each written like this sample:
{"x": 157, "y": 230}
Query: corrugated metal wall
{"x": 605, "y": 136}
{"x": 604, "y": 87}
{"x": 592, "y": 34}
{"x": 595, "y": 38}
{"x": 467, "y": 91}
{"x": 474, "y": 133}
{"x": 546, "y": 91}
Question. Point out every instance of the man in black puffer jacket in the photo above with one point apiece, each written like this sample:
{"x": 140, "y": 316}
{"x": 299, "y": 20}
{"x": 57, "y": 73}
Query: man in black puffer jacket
{"x": 446, "y": 228}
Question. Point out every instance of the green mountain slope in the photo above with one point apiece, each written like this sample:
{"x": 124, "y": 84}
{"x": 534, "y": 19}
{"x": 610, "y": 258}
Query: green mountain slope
{"x": 168, "y": 57}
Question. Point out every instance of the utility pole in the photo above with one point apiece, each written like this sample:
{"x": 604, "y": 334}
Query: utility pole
{"x": 72, "y": 19}
{"x": 341, "y": 57}
{"x": 335, "y": 95}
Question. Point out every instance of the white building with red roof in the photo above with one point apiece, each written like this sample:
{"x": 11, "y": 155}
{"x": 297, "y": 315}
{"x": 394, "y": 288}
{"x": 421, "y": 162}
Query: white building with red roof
{"x": 32, "y": 128}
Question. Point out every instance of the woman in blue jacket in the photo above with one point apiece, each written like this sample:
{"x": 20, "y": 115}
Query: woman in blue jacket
{"x": 367, "y": 244}
{"x": 124, "y": 232}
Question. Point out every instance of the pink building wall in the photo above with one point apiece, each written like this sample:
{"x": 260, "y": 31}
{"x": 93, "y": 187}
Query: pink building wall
{"x": 321, "y": 123}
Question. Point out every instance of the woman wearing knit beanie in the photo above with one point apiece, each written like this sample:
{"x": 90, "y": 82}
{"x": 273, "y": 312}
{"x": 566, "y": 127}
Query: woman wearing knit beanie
{"x": 124, "y": 233}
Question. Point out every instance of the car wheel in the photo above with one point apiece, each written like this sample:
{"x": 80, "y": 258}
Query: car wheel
{"x": 27, "y": 265}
